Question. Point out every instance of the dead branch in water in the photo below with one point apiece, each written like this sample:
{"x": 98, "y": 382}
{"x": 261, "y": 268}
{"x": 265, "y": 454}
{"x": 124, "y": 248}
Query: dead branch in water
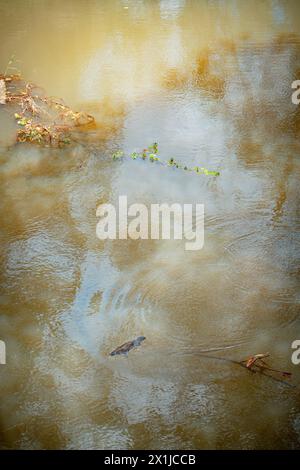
{"x": 257, "y": 361}
{"x": 42, "y": 119}
{"x": 255, "y": 367}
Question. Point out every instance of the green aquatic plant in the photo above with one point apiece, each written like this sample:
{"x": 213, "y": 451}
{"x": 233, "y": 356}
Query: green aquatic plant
{"x": 205, "y": 171}
{"x": 22, "y": 121}
{"x": 171, "y": 162}
{"x": 211, "y": 172}
{"x": 134, "y": 155}
{"x": 153, "y": 157}
{"x": 151, "y": 153}
{"x": 118, "y": 154}
{"x": 153, "y": 148}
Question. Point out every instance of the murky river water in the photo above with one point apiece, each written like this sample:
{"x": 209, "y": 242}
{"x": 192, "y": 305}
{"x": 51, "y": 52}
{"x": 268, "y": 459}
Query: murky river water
{"x": 211, "y": 83}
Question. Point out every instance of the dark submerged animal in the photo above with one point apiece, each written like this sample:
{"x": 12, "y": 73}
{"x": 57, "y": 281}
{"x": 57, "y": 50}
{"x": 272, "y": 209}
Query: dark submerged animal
{"x": 126, "y": 347}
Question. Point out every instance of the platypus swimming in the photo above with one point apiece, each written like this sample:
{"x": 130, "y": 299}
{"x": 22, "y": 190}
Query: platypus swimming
{"x": 126, "y": 347}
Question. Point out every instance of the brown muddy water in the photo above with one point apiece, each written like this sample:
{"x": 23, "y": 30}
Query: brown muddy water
{"x": 211, "y": 83}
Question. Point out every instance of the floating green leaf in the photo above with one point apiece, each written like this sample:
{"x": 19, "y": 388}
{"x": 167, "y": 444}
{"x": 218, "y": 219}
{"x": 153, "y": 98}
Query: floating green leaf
{"x": 153, "y": 157}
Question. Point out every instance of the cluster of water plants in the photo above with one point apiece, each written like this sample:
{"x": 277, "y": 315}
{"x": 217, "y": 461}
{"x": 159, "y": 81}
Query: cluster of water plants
{"x": 151, "y": 154}
{"x": 42, "y": 119}
{"x": 36, "y": 133}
